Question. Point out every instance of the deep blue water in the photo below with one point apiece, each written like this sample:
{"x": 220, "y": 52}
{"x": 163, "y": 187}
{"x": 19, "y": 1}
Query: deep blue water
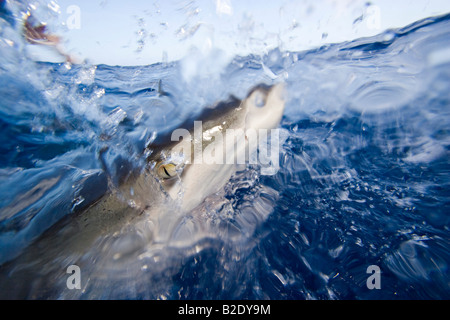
{"x": 364, "y": 177}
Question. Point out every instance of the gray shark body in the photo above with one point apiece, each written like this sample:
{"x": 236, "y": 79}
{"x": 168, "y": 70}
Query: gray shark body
{"x": 146, "y": 215}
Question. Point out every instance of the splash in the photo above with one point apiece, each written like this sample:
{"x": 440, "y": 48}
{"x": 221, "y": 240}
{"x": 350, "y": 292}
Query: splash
{"x": 363, "y": 176}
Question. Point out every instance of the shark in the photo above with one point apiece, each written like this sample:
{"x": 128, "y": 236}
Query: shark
{"x": 147, "y": 212}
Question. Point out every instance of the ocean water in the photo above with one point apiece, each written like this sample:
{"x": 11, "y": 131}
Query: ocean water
{"x": 363, "y": 181}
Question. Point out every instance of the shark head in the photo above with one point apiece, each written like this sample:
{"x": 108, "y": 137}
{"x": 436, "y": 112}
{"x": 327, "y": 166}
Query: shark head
{"x": 199, "y": 161}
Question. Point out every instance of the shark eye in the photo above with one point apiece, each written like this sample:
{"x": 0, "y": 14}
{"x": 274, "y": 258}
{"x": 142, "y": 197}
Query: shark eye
{"x": 166, "y": 170}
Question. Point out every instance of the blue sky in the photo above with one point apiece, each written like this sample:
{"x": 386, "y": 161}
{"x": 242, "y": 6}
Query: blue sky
{"x": 140, "y": 32}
